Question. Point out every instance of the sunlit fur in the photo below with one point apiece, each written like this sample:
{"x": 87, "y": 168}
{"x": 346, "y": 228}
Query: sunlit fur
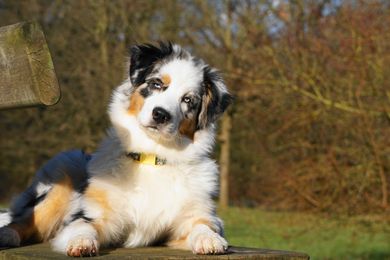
{"x": 130, "y": 204}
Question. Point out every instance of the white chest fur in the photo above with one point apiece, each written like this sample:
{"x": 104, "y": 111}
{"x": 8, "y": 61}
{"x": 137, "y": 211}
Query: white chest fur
{"x": 148, "y": 199}
{"x": 155, "y": 198}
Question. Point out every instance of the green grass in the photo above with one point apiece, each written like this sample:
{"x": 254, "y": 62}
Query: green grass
{"x": 319, "y": 236}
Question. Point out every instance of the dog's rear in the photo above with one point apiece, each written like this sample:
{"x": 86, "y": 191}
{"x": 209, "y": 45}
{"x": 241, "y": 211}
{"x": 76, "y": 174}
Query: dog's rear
{"x": 37, "y": 213}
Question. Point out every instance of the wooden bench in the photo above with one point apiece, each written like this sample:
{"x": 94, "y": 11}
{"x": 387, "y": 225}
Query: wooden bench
{"x": 43, "y": 251}
{"x": 27, "y": 78}
{"x": 27, "y": 75}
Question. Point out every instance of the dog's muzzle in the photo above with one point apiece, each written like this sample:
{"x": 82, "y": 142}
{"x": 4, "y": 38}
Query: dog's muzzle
{"x": 160, "y": 115}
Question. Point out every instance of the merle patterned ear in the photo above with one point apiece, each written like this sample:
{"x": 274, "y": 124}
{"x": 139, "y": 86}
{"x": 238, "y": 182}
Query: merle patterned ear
{"x": 215, "y": 99}
{"x": 143, "y": 57}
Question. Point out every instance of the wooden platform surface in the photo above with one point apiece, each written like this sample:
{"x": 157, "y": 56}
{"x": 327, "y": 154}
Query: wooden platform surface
{"x": 43, "y": 251}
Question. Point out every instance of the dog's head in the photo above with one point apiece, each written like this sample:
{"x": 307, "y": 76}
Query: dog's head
{"x": 174, "y": 94}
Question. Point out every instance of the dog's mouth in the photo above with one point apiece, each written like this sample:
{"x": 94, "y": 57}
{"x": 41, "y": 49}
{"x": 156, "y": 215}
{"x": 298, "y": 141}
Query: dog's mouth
{"x": 160, "y": 131}
{"x": 153, "y": 128}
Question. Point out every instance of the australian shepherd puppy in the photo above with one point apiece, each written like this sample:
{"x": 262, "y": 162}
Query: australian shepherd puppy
{"x": 151, "y": 180}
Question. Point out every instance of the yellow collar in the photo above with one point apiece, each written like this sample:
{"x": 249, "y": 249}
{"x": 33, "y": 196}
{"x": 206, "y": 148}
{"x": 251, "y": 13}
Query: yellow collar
{"x": 144, "y": 158}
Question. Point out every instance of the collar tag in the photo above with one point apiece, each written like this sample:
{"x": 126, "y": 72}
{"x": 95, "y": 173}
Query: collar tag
{"x": 150, "y": 159}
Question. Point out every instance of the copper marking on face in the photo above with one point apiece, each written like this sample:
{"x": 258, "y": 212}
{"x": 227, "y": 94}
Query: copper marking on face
{"x": 206, "y": 100}
{"x": 187, "y": 128}
{"x": 136, "y": 103}
{"x": 166, "y": 80}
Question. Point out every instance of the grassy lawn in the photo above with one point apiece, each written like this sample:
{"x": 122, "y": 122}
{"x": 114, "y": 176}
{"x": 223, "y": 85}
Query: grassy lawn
{"x": 319, "y": 236}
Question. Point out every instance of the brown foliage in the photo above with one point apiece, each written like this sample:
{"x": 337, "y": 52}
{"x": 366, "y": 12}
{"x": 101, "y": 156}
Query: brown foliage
{"x": 310, "y": 127}
{"x": 320, "y": 124}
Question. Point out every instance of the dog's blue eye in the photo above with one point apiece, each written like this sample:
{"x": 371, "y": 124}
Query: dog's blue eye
{"x": 187, "y": 100}
{"x": 156, "y": 85}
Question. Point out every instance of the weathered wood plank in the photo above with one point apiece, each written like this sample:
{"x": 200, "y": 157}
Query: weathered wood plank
{"x": 43, "y": 251}
{"x": 27, "y": 74}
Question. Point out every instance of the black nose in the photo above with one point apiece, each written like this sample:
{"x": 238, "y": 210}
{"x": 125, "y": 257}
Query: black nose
{"x": 160, "y": 115}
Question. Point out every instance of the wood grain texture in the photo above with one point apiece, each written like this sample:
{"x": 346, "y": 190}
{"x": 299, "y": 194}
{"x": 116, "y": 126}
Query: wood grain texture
{"x": 43, "y": 251}
{"x": 27, "y": 75}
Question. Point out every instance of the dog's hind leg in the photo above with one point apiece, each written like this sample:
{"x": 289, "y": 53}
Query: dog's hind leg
{"x": 15, "y": 222}
{"x": 99, "y": 222}
{"x": 37, "y": 213}
{"x": 8, "y": 236}
{"x": 35, "y": 218}
{"x": 79, "y": 238}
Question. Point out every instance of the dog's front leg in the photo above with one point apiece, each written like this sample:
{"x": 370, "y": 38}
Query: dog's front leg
{"x": 98, "y": 223}
{"x": 200, "y": 235}
{"x": 79, "y": 238}
{"x": 203, "y": 240}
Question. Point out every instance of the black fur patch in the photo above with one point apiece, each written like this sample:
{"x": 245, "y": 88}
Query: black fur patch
{"x": 143, "y": 57}
{"x": 145, "y": 92}
{"x": 217, "y": 101}
{"x": 25, "y": 202}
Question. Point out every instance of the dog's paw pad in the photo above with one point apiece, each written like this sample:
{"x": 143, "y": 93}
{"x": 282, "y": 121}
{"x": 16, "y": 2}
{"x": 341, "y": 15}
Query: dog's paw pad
{"x": 209, "y": 243}
{"x": 82, "y": 246}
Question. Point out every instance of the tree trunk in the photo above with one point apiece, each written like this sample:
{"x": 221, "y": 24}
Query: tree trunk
{"x": 225, "y": 161}
{"x": 226, "y": 121}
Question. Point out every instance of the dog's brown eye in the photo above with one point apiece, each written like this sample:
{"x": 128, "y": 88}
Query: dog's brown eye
{"x": 187, "y": 100}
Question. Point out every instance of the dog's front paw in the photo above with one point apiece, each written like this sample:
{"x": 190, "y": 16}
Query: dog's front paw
{"x": 82, "y": 246}
{"x": 209, "y": 243}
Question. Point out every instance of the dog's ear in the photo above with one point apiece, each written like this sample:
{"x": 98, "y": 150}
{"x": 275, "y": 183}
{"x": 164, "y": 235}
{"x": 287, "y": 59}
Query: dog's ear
{"x": 215, "y": 98}
{"x": 143, "y": 57}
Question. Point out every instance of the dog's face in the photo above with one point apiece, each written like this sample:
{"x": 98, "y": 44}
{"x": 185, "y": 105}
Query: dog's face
{"x": 174, "y": 94}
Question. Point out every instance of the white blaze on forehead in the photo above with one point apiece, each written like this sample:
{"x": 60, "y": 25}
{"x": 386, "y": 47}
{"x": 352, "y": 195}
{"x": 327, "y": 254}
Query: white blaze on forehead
{"x": 182, "y": 77}
{"x": 183, "y": 73}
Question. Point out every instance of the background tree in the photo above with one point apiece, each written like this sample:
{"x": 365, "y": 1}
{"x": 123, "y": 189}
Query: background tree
{"x": 310, "y": 125}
